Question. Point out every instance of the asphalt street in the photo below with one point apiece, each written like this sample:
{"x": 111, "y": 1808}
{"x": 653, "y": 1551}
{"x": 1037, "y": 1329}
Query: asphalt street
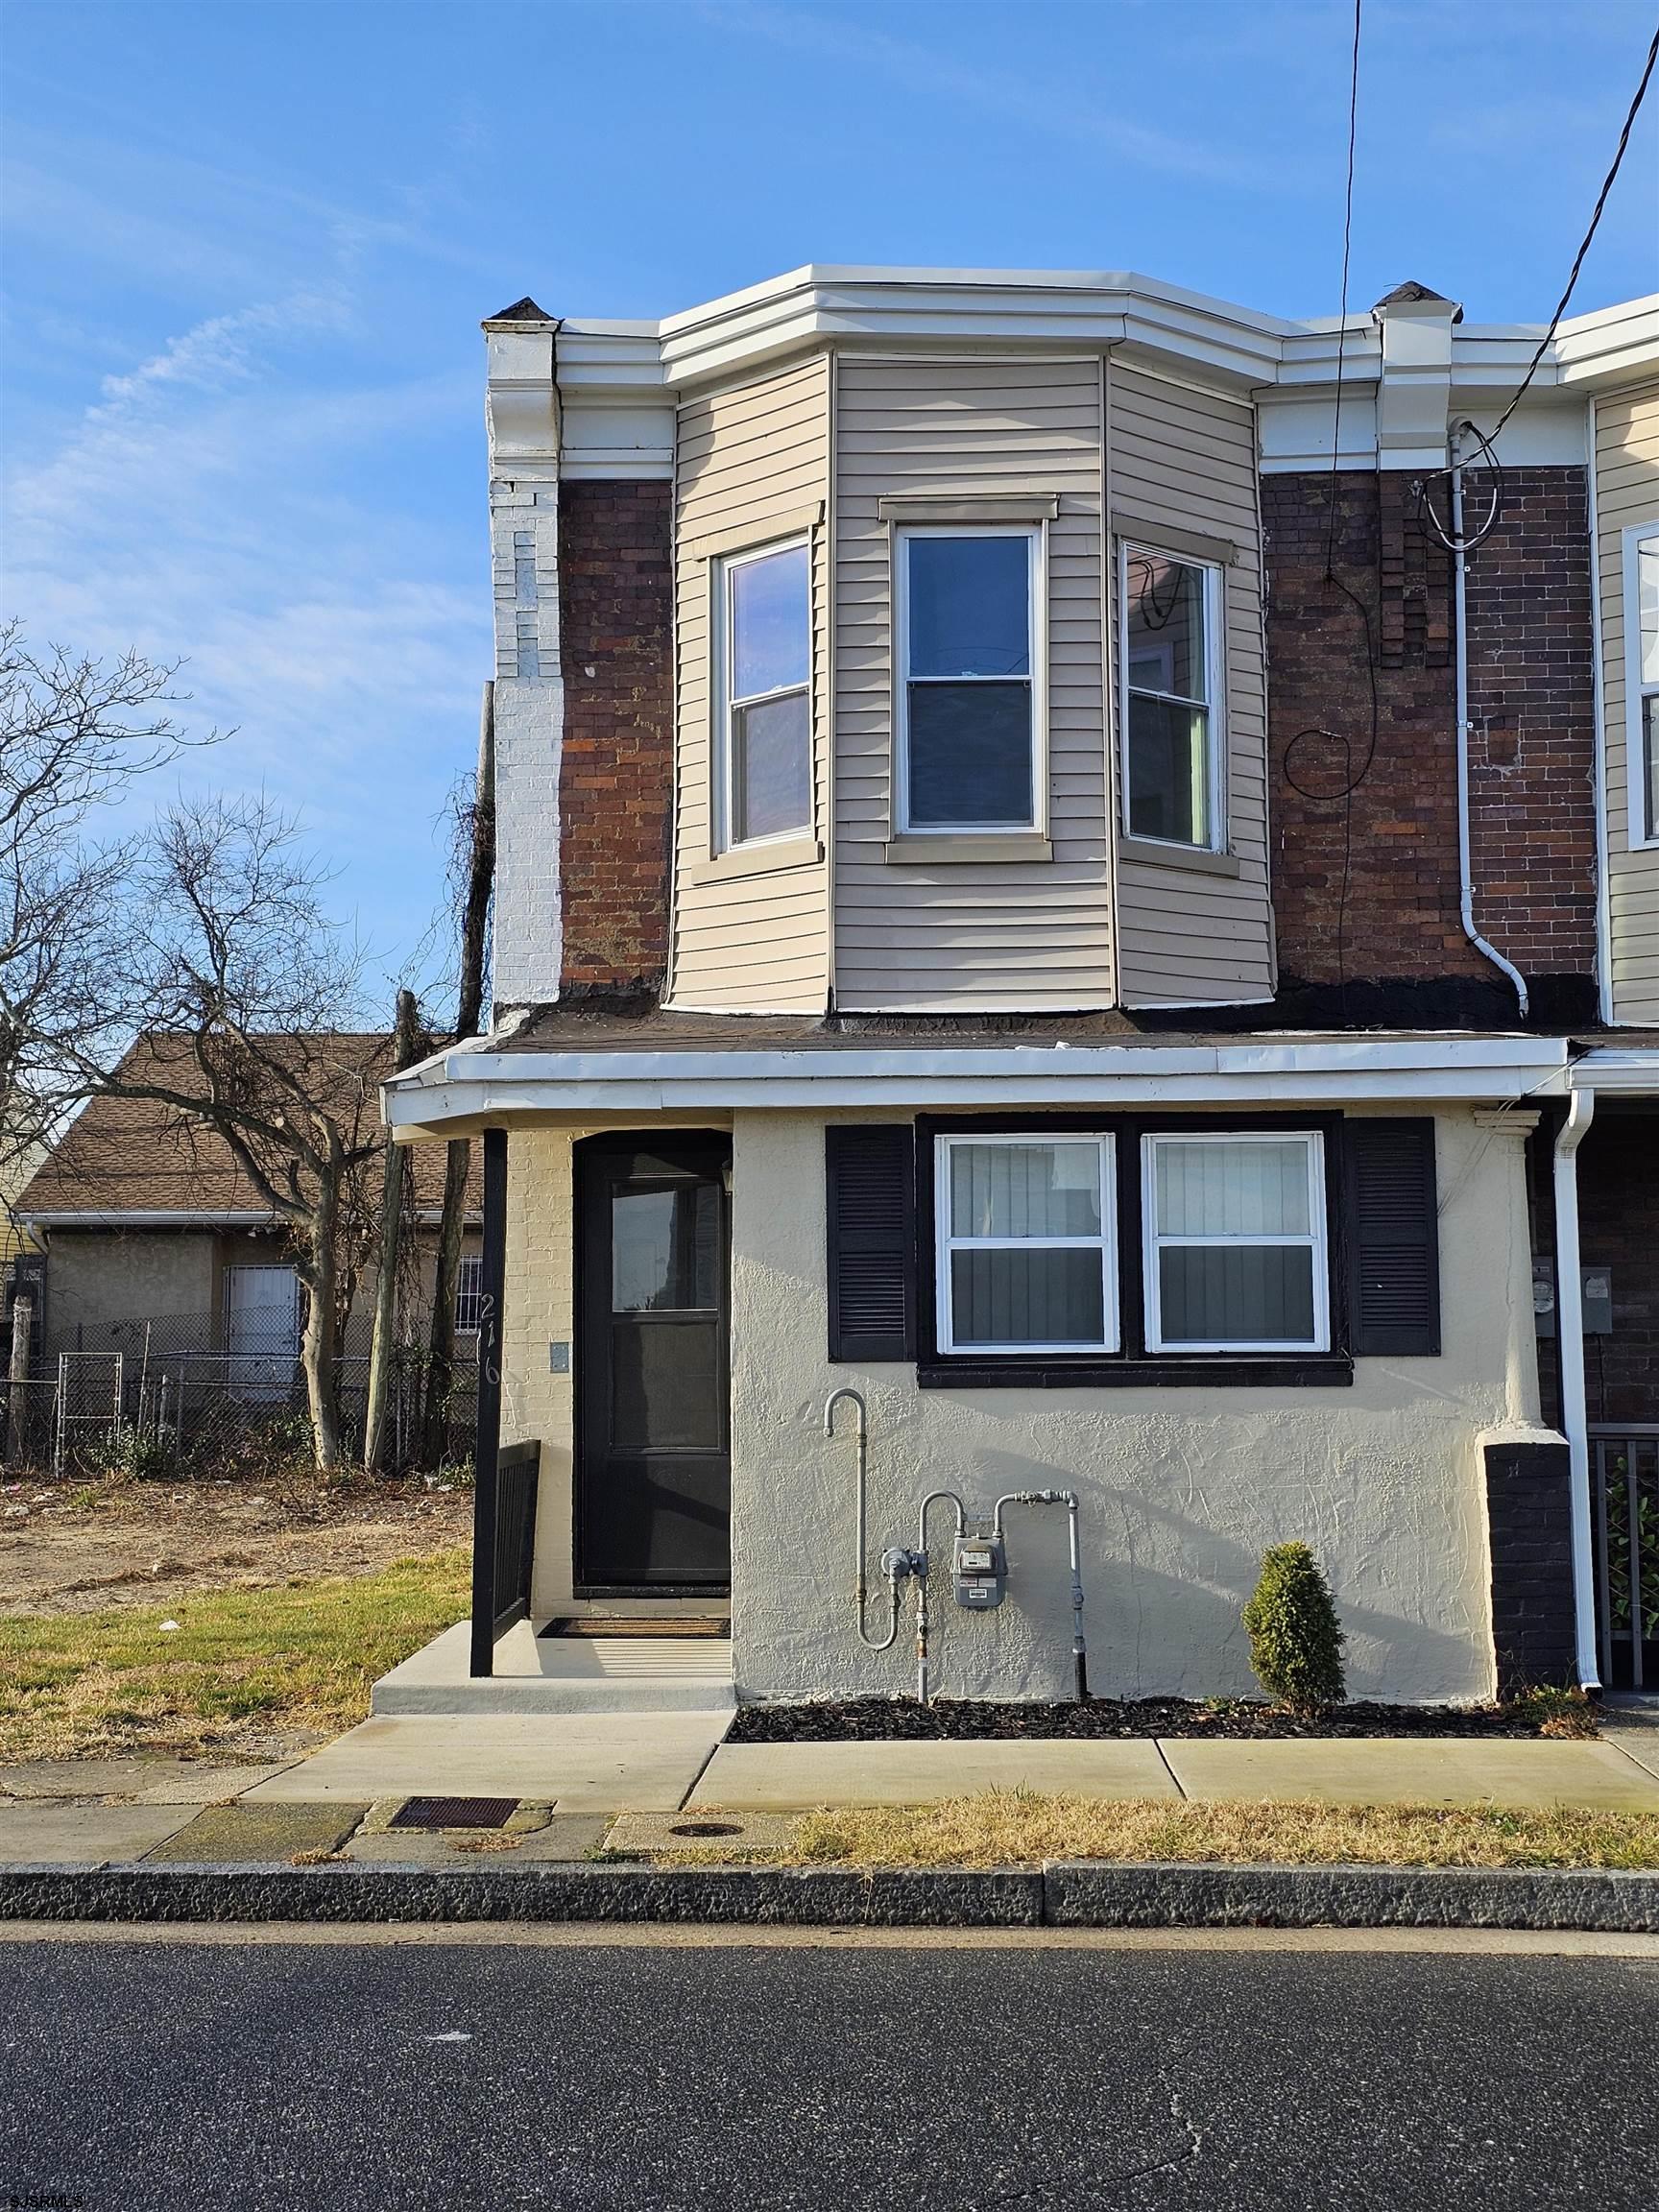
{"x": 677, "y": 2080}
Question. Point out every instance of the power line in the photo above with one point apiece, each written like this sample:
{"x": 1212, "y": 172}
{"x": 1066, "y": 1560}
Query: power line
{"x": 1589, "y": 235}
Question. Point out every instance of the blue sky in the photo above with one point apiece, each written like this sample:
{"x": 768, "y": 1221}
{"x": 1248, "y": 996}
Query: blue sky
{"x": 248, "y": 246}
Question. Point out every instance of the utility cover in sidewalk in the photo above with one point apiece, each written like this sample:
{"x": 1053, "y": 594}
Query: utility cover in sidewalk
{"x": 455, "y": 1812}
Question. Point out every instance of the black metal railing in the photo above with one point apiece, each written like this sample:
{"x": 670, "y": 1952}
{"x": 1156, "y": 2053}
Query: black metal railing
{"x": 515, "y": 1476}
{"x": 1625, "y": 1501}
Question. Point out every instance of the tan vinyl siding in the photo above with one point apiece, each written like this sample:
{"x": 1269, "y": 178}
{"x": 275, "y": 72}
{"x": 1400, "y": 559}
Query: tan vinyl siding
{"x": 991, "y": 934}
{"x": 1184, "y": 461}
{"x": 1626, "y": 494}
{"x": 750, "y": 459}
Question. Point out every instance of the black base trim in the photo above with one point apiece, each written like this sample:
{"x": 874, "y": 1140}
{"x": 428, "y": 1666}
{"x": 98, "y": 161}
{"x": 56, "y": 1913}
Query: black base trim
{"x": 1322, "y": 1372}
{"x": 1557, "y": 1003}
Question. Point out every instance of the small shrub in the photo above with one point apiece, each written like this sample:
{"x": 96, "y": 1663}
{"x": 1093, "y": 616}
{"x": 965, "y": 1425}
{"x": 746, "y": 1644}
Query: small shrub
{"x": 1295, "y": 1638}
{"x": 128, "y": 1455}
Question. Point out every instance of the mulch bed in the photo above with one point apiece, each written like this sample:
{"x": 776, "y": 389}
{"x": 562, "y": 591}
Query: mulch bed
{"x": 872, "y": 1719}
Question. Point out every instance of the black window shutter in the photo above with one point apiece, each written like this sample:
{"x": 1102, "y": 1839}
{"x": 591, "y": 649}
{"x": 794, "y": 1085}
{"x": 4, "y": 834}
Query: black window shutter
{"x": 1393, "y": 1236}
{"x": 871, "y": 1193}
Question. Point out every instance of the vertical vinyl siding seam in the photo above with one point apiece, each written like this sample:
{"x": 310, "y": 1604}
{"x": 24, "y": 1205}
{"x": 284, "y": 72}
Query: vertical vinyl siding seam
{"x": 1109, "y": 690}
{"x": 1626, "y": 448}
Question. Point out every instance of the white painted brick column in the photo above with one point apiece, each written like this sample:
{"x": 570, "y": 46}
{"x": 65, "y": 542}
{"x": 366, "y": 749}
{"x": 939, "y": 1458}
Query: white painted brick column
{"x": 523, "y": 422}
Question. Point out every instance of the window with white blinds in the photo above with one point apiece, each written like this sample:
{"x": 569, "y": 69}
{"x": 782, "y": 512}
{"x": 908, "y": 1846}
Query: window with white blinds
{"x": 1234, "y": 1243}
{"x": 1027, "y": 1244}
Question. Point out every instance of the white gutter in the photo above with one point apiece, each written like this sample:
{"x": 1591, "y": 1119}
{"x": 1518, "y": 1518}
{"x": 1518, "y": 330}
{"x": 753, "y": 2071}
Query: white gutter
{"x": 1465, "y": 874}
{"x": 1574, "y": 1414}
{"x": 467, "y": 1083}
{"x": 149, "y": 1218}
{"x": 1631, "y": 1069}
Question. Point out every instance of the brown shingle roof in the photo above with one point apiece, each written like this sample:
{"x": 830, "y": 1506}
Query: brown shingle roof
{"x": 137, "y": 1156}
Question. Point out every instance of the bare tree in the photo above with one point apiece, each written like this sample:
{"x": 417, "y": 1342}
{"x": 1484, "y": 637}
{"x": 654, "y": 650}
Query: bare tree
{"x": 246, "y": 991}
{"x": 76, "y": 736}
{"x": 474, "y": 871}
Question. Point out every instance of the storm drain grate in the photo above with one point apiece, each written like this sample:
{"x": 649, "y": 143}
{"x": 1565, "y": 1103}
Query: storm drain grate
{"x": 455, "y": 1812}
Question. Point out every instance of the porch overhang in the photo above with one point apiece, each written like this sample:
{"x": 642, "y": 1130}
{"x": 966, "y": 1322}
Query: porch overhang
{"x": 485, "y": 1081}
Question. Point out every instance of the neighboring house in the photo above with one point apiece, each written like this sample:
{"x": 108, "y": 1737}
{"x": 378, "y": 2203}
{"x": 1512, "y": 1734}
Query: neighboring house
{"x": 153, "y": 1234}
{"x": 1033, "y": 886}
{"x": 15, "y": 1177}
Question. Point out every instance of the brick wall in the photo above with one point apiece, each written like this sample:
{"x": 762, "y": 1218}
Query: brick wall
{"x": 1530, "y": 1520}
{"x": 1617, "y": 1228}
{"x": 1396, "y": 838}
{"x": 615, "y": 778}
{"x": 1532, "y": 707}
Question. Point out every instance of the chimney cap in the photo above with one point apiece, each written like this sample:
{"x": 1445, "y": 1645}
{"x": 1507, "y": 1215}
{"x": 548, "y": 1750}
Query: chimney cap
{"x": 1413, "y": 295}
{"x": 523, "y": 310}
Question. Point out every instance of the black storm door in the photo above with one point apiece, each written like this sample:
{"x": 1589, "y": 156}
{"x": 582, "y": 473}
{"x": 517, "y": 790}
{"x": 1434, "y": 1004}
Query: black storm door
{"x": 653, "y": 1430}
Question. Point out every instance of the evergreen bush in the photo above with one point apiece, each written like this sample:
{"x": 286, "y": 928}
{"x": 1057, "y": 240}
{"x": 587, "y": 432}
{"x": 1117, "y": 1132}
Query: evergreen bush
{"x": 1295, "y": 1638}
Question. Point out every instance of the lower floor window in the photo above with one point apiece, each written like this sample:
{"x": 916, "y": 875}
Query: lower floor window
{"x": 1232, "y": 1253}
{"x": 1234, "y": 1243}
{"x": 1027, "y": 1244}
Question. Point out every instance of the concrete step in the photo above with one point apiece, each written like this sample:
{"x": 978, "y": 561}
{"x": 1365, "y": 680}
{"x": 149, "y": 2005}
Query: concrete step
{"x": 562, "y": 1674}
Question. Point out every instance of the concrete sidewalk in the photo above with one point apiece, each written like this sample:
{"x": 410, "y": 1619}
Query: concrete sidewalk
{"x": 574, "y": 1776}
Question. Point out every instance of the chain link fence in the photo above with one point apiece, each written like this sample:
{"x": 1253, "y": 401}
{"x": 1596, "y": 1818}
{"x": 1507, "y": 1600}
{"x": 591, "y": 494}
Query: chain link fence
{"x": 148, "y": 1403}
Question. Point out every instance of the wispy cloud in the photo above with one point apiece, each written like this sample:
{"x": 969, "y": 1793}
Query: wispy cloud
{"x": 1046, "y": 107}
{"x": 205, "y": 506}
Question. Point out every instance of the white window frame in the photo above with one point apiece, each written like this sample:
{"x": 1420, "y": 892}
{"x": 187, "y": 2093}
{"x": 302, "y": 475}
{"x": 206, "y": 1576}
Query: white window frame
{"x": 1215, "y": 707}
{"x": 1316, "y": 1241}
{"x": 1036, "y": 537}
{"x": 724, "y": 657}
{"x": 470, "y": 1291}
{"x": 1642, "y": 834}
{"x": 1106, "y": 1243}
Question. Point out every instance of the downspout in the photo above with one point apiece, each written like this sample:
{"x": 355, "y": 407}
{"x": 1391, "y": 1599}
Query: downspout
{"x": 1465, "y": 872}
{"x": 1575, "y": 1415}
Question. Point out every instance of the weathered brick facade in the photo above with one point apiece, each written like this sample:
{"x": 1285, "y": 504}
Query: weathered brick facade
{"x": 1618, "y": 1229}
{"x": 1529, "y": 1516}
{"x": 615, "y": 780}
{"x": 1532, "y": 707}
{"x": 1381, "y": 627}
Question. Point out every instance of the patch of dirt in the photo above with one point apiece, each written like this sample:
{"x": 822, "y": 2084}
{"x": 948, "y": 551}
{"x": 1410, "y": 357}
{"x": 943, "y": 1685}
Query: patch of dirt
{"x": 67, "y": 1549}
{"x": 874, "y": 1720}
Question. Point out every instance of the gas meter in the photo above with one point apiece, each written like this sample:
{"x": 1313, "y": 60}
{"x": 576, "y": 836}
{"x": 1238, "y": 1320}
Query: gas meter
{"x": 978, "y": 1570}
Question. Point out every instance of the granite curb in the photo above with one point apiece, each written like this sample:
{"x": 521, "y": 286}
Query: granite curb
{"x": 1063, "y": 1894}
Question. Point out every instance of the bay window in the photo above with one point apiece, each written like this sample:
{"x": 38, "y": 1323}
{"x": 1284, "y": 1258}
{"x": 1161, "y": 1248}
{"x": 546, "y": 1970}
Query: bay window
{"x": 968, "y": 661}
{"x": 1170, "y": 641}
{"x": 763, "y": 782}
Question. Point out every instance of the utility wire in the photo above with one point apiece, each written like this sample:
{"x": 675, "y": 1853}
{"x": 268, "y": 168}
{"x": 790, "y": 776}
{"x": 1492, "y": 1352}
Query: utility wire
{"x": 1589, "y": 235}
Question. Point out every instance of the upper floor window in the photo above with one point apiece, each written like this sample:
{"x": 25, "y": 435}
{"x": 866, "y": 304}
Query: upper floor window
{"x": 1170, "y": 624}
{"x": 764, "y": 772}
{"x": 968, "y": 661}
{"x": 1642, "y": 708}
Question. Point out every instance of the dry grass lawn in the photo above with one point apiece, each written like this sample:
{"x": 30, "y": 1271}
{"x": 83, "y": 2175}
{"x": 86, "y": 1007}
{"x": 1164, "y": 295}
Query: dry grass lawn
{"x": 1011, "y": 1828}
{"x": 240, "y": 1666}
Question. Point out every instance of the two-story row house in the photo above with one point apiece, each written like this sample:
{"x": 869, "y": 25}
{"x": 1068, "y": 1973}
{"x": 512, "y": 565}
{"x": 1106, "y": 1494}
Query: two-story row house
{"x": 1078, "y": 866}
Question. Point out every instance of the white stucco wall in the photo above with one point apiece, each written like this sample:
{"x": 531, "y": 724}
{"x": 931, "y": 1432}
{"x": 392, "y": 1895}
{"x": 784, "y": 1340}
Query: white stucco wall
{"x": 538, "y": 1309}
{"x": 1180, "y": 1489}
